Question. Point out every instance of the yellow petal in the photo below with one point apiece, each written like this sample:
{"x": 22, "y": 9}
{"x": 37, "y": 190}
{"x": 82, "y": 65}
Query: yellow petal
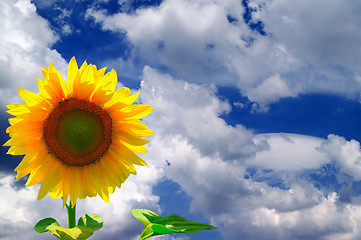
{"x": 129, "y": 138}
{"x": 42, "y": 91}
{"x": 67, "y": 183}
{"x": 119, "y": 96}
{"x": 114, "y": 107}
{"x": 84, "y": 86}
{"x": 100, "y": 97}
{"x": 18, "y": 109}
{"x": 120, "y": 169}
{"x": 82, "y": 193}
{"x": 24, "y": 139}
{"x": 14, "y": 120}
{"x": 74, "y": 189}
{"x": 30, "y": 158}
{"x": 54, "y": 84}
{"x": 137, "y": 149}
{"x": 17, "y": 150}
{"x": 54, "y": 172}
{"x": 100, "y": 183}
{"x": 88, "y": 179}
{"x": 100, "y": 73}
{"x": 35, "y": 178}
{"x": 132, "y": 112}
{"x": 45, "y": 72}
{"x": 119, "y": 151}
{"x": 72, "y": 73}
{"x": 134, "y": 127}
{"x": 57, "y": 190}
{"x": 26, "y": 127}
{"x": 110, "y": 81}
{"x": 131, "y": 99}
{"x": 31, "y": 163}
{"x": 30, "y": 98}
{"x": 108, "y": 173}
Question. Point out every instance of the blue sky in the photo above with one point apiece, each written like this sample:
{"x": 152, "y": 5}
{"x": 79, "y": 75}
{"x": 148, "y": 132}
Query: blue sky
{"x": 257, "y": 111}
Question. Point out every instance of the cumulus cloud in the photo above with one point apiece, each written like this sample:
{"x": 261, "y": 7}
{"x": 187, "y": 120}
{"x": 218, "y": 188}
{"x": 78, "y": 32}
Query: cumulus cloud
{"x": 192, "y": 111}
{"x": 25, "y": 46}
{"x": 19, "y": 210}
{"x": 271, "y": 90}
{"x": 243, "y": 207}
{"x": 289, "y": 152}
{"x": 347, "y": 154}
{"x": 324, "y": 42}
{"x": 322, "y": 33}
{"x": 186, "y": 36}
{"x": 298, "y": 54}
{"x": 323, "y": 220}
{"x": 222, "y": 188}
{"x": 251, "y": 209}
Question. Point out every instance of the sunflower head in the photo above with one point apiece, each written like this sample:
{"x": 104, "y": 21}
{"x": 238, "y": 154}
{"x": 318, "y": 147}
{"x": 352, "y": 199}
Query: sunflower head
{"x": 79, "y": 137}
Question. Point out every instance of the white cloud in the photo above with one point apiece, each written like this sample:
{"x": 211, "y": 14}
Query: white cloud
{"x": 272, "y": 89}
{"x": 222, "y": 188}
{"x": 63, "y": 20}
{"x": 250, "y": 209}
{"x": 254, "y": 210}
{"x": 347, "y": 154}
{"x": 192, "y": 111}
{"x": 322, "y": 36}
{"x": 319, "y": 33}
{"x": 25, "y": 41}
{"x": 189, "y": 37}
{"x": 308, "y": 48}
{"x": 324, "y": 220}
{"x": 289, "y": 152}
{"x": 19, "y": 210}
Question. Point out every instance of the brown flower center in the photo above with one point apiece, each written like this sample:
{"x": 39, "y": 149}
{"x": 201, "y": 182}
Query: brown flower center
{"x": 78, "y": 132}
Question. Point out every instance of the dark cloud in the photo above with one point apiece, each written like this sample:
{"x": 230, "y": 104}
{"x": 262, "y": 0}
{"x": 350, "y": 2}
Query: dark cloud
{"x": 345, "y": 194}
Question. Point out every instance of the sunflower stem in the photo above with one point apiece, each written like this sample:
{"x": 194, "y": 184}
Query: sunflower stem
{"x": 71, "y": 215}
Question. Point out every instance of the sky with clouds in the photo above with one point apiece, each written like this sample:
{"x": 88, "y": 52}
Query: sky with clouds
{"x": 257, "y": 111}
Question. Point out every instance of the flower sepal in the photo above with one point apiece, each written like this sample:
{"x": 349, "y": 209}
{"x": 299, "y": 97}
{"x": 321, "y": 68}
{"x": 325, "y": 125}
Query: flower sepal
{"x": 87, "y": 225}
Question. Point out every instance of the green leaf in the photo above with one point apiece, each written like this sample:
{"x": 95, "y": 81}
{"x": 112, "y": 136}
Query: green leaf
{"x": 138, "y": 214}
{"x": 91, "y": 221}
{"x": 155, "y": 225}
{"x": 87, "y": 225}
{"x": 44, "y": 224}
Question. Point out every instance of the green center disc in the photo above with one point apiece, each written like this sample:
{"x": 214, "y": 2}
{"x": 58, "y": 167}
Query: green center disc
{"x": 80, "y": 132}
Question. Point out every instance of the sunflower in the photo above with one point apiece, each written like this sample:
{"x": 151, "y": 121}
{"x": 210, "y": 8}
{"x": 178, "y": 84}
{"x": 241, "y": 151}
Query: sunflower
{"x": 79, "y": 137}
